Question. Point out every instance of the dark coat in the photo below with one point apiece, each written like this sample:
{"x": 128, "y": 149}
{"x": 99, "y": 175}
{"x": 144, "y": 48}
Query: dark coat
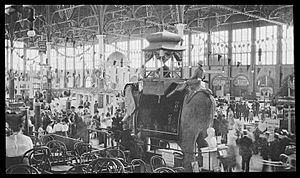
{"x": 245, "y": 143}
{"x": 265, "y": 148}
{"x": 285, "y": 141}
{"x": 224, "y": 126}
{"x": 216, "y": 126}
{"x": 275, "y": 147}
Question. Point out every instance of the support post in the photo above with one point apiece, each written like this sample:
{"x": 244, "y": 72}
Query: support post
{"x": 142, "y": 54}
{"x": 65, "y": 70}
{"x": 7, "y": 56}
{"x": 93, "y": 56}
{"x": 37, "y": 115}
{"x": 49, "y": 75}
{"x": 57, "y": 76}
{"x": 209, "y": 54}
{"x": 11, "y": 55}
{"x": 83, "y": 67}
{"x": 74, "y": 70}
{"x": 24, "y": 59}
{"x": 229, "y": 57}
{"x": 278, "y": 66}
{"x": 253, "y": 57}
{"x": 190, "y": 52}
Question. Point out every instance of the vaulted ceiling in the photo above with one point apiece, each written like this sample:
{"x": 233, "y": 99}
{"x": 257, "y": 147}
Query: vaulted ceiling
{"x": 83, "y": 22}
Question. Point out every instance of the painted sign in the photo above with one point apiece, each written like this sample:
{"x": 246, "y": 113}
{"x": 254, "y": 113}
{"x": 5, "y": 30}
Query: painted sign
{"x": 266, "y": 91}
{"x": 219, "y": 81}
{"x": 241, "y": 81}
{"x": 272, "y": 124}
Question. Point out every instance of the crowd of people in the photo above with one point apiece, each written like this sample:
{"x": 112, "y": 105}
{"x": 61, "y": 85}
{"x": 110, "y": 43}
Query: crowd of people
{"x": 237, "y": 125}
{"x": 66, "y": 121}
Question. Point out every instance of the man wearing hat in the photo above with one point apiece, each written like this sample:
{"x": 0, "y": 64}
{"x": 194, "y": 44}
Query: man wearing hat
{"x": 265, "y": 149}
{"x": 199, "y": 72}
{"x": 245, "y": 143}
{"x": 275, "y": 149}
{"x": 284, "y": 140}
{"x": 73, "y": 120}
{"x": 60, "y": 127}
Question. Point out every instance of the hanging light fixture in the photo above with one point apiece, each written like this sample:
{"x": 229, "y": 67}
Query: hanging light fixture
{"x": 31, "y": 19}
{"x": 31, "y": 33}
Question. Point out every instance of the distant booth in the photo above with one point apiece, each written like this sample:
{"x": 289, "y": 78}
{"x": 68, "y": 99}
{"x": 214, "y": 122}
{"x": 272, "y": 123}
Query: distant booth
{"x": 265, "y": 86}
{"x": 241, "y": 84}
{"x": 218, "y": 85}
{"x": 284, "y": 100}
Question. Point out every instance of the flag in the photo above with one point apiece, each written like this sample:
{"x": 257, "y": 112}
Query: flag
{"x": 258, "y": 70}
{"x": 219, "y": 57}
{"x": 248, "y": 67}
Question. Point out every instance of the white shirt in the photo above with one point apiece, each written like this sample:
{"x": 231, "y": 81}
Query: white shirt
{"x": 65, "y": 127}
{"x": 49, "y": 129}
{"x": 17, "y": 144}
{"x": 40, "y": 132}
{"x": 105, "y": 122}
{"x": 57, "y": 128}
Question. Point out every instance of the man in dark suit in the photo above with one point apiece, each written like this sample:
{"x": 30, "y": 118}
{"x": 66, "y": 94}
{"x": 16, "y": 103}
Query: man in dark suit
{"x": 265, "y": 149}
{"x": 275, "y": 149}
{"x": 284, "y": 141}
{"x": 245, "y": 143}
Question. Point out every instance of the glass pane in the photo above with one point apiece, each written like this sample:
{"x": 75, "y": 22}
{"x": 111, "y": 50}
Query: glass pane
{"x": 238, "y": 35}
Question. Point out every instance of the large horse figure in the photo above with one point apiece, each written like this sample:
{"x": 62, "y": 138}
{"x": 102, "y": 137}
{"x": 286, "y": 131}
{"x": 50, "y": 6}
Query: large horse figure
{"x": 185, "y": 108}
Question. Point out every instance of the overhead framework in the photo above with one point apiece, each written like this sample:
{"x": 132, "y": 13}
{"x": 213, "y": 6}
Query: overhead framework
{"x": 80, "y": 22}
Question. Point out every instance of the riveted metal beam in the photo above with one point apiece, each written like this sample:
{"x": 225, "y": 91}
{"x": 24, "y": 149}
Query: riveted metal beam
{"x": 247, "y": 14}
